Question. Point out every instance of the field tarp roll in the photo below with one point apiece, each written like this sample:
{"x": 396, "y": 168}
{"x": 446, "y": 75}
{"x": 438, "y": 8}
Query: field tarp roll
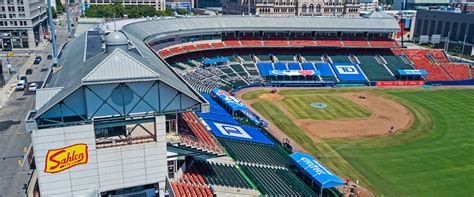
{"x": 317, "y": 172}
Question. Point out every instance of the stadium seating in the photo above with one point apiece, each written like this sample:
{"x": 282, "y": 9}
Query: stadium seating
{"x": 164, "y": 53}
{"x": 373, "y": 69}
{"x": 176, "y": 50}
{"x": 439, "y": 56}
{"x": 456, "y": 71}
{"x": 326, "y": 71}
{"x": 275, "y": 42}
{"x": 355, "y": 42}
{"x": 183, "y": 190}
{"x": 435, "y": 72}
{"x": 294, "y": 66}
{"x": 190, "y": 125}
{"x": 302, "y": 41}
{"x": 340, "y": 58}
{"x": 203, "y": 46}
{"x": 251, "y": 41}
{"x": 189, "y": 47}
{"x": 217, "y": 45}
{"x": 280, "y": 66}
{"x": 264, "y": 68}
{"x": 395, "y": 63}
{"x": 382, "y": 42}
{"x": 330, "y": 41}
{"x": 277, "y": 182}
{"x": 255, "y": 153}
{"x": 217, "y": 174}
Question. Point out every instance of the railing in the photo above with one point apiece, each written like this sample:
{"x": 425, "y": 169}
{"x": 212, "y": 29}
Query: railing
{"x": 126, "y": 141}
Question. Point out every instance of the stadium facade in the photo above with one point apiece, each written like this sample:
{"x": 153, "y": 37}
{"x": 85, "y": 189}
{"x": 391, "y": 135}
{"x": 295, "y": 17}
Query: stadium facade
{"x": 115, "y": 117}
{"x": 292, "y": 8}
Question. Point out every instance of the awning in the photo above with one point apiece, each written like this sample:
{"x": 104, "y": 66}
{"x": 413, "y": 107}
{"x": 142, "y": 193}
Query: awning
{"x": 228, "y": 100}
{"x": 412, "y": 72}
{"x": 317, "y": 172}
{"x": 216, "y": 60}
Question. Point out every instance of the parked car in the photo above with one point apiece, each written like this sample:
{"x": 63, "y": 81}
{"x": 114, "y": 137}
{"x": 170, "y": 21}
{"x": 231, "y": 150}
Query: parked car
{"x": 29, "y": 71}
{"x": 24, "y": 78}
{"x": 38, "y": 59}
{"x": 21, "y": 85}
{"x": 33, "y": 87}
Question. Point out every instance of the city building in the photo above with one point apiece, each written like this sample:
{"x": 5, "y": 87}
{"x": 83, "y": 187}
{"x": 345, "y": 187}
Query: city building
{"x": 23, "y": 23}
{"x": 158, "y": 4}
{"x": 292, "y": 7}
{"x": 439, "y": 26}
{"x": 368, "y": 5}
{"x": 413, "y": 4}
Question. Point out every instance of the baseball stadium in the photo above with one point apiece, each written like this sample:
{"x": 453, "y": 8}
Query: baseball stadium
{"x": 255, "y": 106}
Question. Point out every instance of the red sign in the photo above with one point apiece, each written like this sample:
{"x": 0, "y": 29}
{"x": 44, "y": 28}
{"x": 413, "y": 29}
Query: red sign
{"x": 399, "y": 83}
{"x": 58, "y": 160}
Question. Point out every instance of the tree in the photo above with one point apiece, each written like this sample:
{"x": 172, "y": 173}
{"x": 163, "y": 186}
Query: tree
{"x": 54, "y": 13}
{"x": 59, "y": 6}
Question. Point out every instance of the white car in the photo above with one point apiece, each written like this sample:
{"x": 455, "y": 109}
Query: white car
{"x": 33, "y": 87}
{"x": 21, "y": 85}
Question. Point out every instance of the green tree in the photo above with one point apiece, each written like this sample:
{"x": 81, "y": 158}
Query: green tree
{"x": 59, "y": 6}
{"x": 54, "y": 13}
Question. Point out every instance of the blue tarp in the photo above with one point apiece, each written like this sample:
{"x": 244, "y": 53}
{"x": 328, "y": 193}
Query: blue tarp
{"x": 325, "y": 69}
{"x": 264, "y": 68}
{"x": 280, "y": 66}
{"x": 412, "y": 72}
{"x": 348, "y": 72}
{"x": 317, "y": 172}
{"x": 214, "y": 107}
{"x": 294, "y": 66}
{"x": 238, "y": 132}
{"x": 308, "y": 66}
{"x": 228, "y": 100}
{"x": 215, "y": 60}
{"x": 294, "y": 73}
{"x": 217, "y": 118}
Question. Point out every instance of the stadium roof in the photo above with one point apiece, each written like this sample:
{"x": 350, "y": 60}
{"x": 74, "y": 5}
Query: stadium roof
{"x": 194, "y": 25}
{"x": 83, "y": 62}
{"x": 317, "y": 172}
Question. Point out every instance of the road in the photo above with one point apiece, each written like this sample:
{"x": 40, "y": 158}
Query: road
{"x": 13, "y": 138}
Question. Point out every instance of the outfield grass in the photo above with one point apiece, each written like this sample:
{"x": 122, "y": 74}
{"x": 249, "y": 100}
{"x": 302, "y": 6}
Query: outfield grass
{"x": 435, "y": 157}
{"x": 337, "y": 107}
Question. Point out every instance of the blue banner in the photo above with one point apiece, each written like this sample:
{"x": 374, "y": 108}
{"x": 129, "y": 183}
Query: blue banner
{"x": 216, "y": 60}
{"x": 412, "y": 72}
{"x": 348, "y": 72}
{"x": 238, "y": 132}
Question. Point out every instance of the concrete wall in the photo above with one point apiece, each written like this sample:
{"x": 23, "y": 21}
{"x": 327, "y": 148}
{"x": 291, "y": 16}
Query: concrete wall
{"x": 107, "y": 168}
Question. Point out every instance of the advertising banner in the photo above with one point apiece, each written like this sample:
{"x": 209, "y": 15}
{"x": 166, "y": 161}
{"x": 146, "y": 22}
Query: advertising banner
{"x": 348, "y": 72}
{"x": 399, "y": 83}
{"x": 61, "y": 159}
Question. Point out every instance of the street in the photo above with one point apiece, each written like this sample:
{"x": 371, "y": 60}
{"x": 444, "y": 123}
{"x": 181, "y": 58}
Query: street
{"x": 13, "y": 138}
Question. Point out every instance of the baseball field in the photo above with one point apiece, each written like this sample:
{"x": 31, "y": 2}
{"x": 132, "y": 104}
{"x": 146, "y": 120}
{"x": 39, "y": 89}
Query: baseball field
{"x": 396, "y": 142}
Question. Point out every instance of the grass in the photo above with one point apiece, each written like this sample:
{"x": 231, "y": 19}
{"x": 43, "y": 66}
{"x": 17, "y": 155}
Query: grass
{"x": 435, "y": 157}
{"x": 337, "y": 107}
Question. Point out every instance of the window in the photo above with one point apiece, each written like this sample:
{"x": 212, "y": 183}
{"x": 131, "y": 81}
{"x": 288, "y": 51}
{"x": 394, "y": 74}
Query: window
{"x": 21, "y": 9}
{"x": 318, "y": 8}
{"x": 303, "y": 8}
{"x": 311, "y": 8}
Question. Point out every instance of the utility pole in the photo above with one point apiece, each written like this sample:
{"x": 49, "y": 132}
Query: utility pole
{"x": 401, "y": 20}
{"x": 68, "y": 20}
{"x": 53, "y": 33}
{"x": 462, "y": 50}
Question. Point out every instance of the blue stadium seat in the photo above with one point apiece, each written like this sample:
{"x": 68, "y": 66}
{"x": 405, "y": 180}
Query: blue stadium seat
{"x": 308, "y": 66}
{"x": 280, "y": 66}
{"x": 294, "y": 66}
{"x": 264, "y": 68}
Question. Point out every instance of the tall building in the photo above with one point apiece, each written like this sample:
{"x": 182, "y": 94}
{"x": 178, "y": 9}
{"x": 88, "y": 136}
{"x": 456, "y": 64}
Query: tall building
{"x": 23, "y": 23}
{"x": 292, "y": 7}
{"x": 368, "y": 5}
{"x": 158, "y": 4}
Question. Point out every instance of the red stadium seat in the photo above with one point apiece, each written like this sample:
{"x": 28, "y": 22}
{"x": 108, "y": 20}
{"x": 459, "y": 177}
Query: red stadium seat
{"x": 439, "y": 55}
{"x": 456, "y": 71}
{"x": 355, "y": 42}
{"x": 217, "y": 45}
{"x": 189, "y": 47}
{"x": 329, "y": 41}
{"x": 203, "y": 46}
{"x": 418, "y": 57}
